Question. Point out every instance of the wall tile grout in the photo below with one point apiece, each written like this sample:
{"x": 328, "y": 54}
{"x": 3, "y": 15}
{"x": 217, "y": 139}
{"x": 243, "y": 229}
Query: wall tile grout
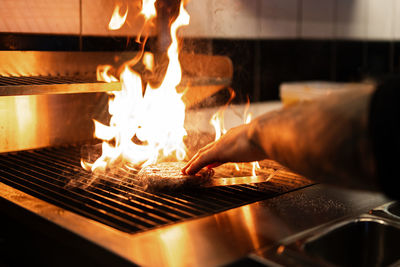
{"x": 299, "y": 18}
{"x": 80, "y": 26}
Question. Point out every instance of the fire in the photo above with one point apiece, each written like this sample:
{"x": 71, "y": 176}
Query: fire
{"x": 102, "y": 74}
{"x": 117, "y": 20}
{"x": 145, "y": 126}
{"x": 217, "y": 121}
{"x": 149, "y": 9}
{"x": 148, "y": 61}
{"x": 255, "y": 164}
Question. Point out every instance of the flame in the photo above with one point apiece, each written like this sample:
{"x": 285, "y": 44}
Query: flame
{"x": 145, "y": 127}
{"x": 149, "y": 9}
{"x": 247, "y": 120}
{"x": 117, "y": 20}
{"x": 148, "y": 61}
{"x": 102, "y": 74}
{"x": 217, "y": 121}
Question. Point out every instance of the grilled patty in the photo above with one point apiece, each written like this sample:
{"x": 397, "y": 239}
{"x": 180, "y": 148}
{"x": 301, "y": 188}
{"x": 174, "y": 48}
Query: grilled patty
{"x": 168, "y": 176}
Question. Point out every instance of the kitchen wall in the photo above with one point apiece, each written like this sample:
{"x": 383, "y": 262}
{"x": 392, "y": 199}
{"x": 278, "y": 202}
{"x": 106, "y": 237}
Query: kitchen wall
{"x": 269, "y": 41}
{"x": 316, "y": 19}
{"x": 243, "y": 19}
{"x": 273, "y": 41}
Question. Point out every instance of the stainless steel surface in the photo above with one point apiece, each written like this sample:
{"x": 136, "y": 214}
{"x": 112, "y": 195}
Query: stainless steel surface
{"x": 363, "y": 240}
{"x": 197, "y": 70}
{"x": 213, "y": 240}
{"x": 39, "y": 85}
{"x": 33, "y": 117}
{"x": 366, "y": 240}
{"x": 38, "y": 63}
{"x": 29, "y": 122}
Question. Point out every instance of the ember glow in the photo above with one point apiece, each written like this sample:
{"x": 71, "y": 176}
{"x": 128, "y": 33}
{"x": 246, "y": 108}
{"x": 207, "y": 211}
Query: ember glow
{"x": 145, "y": 127}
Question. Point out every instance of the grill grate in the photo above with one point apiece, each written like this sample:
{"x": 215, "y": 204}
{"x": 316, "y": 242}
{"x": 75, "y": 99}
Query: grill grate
{"x": 30, "y": 85}
{"x": 122, "y": 203}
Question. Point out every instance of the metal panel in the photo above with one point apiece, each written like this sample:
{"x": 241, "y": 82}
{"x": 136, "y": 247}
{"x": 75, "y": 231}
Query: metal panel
{"x": 31, "y": 85}
{"x": 28, "y": 122}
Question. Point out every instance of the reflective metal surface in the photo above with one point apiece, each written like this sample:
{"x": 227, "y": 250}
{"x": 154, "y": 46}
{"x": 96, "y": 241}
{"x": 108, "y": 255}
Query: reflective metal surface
{"x": 213, "y": 240}
{"x": 205, "y": 74}
{"x": 39, "y": 85}
{"x": 32, "y": 117}
{"x": 365, "y": 241}
{"x": 28, "y": 122}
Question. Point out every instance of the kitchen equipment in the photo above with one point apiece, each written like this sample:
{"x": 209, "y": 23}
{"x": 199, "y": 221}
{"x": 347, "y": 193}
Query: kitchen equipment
{"x": 294, "y": 92}
{"x": 368, "y": 239}
{"x": 46, "y": 116}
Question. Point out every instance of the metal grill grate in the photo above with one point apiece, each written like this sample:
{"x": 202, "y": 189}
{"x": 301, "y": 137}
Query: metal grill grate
{"x": 125, "y": 205}
{"x": 33, "y": 85}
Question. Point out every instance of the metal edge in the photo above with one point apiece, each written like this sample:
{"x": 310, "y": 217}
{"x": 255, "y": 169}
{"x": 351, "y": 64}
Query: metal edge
{"x": 67, "y": 88}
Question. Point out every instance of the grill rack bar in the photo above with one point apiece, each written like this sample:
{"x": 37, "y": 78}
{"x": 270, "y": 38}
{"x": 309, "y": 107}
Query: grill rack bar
{"x": 117, "y": 199}
{"x": 38, "y": 85}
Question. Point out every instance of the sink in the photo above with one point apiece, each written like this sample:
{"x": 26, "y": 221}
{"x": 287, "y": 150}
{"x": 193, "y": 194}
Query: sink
{"x": 369, "y": 239}
{"x": 364, "y": 242}
{"x": 394, "y": 209}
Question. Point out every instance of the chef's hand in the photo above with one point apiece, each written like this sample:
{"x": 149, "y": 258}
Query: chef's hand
{"x": 235, "y": 146}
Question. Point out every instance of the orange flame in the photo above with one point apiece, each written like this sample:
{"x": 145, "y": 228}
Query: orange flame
{"x": 117, "y": 20}
{"x": 102, "y": 74}
{"x": 217, "y": 121}
{"x": 149, "y": 9}
{"x": 148, "y": 61}
{"x": 247, "y": 119}
{"x": 144, "y": 128}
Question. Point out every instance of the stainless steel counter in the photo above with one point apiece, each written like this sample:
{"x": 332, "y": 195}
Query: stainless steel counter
{"x": 213, "y": 240}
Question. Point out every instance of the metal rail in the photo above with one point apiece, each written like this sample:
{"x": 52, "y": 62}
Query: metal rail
{"x": 39, "y": 85}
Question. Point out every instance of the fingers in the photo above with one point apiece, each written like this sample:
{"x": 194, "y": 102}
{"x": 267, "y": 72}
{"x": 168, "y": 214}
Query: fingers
{"x": 205, "y": 157}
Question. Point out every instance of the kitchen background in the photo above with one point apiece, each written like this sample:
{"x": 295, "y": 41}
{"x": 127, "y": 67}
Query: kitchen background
{"x": 269, "y": 41}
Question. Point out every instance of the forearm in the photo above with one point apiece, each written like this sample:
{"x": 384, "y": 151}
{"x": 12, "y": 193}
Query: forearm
{"x": 326, "y": 140}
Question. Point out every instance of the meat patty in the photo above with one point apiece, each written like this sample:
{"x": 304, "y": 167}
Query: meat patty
{"x": 168, "y": 176}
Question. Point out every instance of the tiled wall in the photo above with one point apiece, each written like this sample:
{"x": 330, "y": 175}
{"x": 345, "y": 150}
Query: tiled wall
{"x": 76, "y": 17}
{"x": 315, "y": 19}
{"x": 43, "y": 16}
{"x": 244, "y": 19}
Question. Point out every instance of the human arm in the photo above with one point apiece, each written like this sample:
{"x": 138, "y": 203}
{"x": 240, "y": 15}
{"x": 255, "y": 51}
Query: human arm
{"x": 326, "y": 140}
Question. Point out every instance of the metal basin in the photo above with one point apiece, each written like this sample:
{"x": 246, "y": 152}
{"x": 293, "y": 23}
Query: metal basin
{"x": 394, "y": 209}
{"x": 365, "y": 242}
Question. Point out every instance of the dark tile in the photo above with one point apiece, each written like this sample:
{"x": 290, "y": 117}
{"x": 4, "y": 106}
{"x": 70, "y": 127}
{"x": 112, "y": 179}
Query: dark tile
{"x": 396, "y": 57}
{"x": 197, "y": 45}
{"x": 99, "y": 43}
{"x": 350, "y": 60}
{"x": 293, "y": 60}
{"x": 241, "y": 52}
{"x": 38, "y": 42}
{"x": 378, "y": 61}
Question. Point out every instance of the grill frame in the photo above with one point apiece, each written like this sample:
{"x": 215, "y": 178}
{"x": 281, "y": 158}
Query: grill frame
{"x": 213, "y": 240}
{"x": 125, "y": 205}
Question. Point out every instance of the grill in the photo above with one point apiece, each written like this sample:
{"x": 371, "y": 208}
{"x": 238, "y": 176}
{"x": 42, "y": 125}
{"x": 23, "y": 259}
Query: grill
{"x": 35, "y": 85}
{"x": 117, "y": 199}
